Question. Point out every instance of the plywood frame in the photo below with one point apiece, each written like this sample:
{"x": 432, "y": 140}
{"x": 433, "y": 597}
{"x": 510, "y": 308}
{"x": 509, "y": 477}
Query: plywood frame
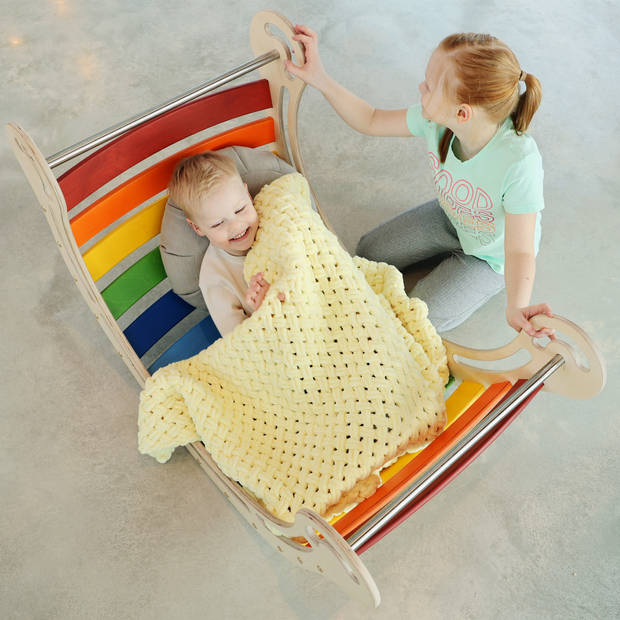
{"x": 328, "y": 553}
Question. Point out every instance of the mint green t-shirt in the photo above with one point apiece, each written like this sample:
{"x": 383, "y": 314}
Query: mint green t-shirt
{"x": 506, "y": 176}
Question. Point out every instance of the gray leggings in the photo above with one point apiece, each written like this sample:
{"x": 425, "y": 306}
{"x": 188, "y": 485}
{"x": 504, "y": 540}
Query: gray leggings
{"x": 453, "y": 290}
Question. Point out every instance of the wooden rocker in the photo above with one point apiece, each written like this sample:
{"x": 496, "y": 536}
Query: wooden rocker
{"x": 111, "y": 245}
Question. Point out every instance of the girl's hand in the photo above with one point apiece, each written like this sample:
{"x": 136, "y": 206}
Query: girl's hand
{"x": 312, "y": 71}
{"x": 257, "y": 290}
{"x": 518, "y": 319}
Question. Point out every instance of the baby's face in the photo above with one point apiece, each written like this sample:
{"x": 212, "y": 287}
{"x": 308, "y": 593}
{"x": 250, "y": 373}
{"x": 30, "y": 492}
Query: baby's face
{"x": 227, "y": 217}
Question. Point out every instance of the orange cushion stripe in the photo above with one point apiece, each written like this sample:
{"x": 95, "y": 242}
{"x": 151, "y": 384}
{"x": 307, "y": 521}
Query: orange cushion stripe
{"x": 448, "y": 438}
{"x": 155, "y": 179}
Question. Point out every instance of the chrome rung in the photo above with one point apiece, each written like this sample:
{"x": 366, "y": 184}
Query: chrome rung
{"x": 108, "y": 134}
{"x": 455, "y": 455}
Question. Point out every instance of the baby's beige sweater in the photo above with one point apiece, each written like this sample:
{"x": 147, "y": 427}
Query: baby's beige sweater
{"x": 223, "y": 287}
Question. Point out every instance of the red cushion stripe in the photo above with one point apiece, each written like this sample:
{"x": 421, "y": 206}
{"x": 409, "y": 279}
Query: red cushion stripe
{"x": 132, "y": 147}
{"x": 150, "y": 182}
{"x": 451, "y": 473}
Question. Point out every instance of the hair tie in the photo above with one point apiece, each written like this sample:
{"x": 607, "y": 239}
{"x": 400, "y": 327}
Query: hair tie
{"x": 522, "y": 76}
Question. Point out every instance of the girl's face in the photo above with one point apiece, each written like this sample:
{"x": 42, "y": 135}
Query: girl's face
{"x": 436, "y": 106}
{"x": 227, "y": 217}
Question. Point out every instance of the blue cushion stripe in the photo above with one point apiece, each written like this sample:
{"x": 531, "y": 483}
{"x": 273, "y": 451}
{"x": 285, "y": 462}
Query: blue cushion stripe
{"x": 192, "y": 342}
{"x": 156, "y": 321}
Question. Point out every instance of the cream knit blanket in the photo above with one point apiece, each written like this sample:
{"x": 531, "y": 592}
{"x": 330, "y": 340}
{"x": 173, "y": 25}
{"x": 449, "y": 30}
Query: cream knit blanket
{"x": 309, "y": 396}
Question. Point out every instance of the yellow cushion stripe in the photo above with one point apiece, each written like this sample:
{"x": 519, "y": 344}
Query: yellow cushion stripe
{"x": 124, "y": 239}
{"x": 461, "y": 399}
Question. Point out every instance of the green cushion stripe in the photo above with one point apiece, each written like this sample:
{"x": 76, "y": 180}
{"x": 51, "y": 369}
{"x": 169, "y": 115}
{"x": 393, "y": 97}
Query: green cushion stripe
{"x": 134, "y": 283}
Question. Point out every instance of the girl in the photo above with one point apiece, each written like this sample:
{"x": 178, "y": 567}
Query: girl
{"x": 487, "y": 172}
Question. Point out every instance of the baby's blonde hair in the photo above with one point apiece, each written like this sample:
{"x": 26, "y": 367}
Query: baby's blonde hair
{"x": 194, "y": 177}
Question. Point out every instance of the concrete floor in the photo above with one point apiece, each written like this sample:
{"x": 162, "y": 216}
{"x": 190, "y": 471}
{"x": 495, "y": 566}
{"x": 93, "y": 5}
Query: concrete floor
{"x": 91, "y": 529}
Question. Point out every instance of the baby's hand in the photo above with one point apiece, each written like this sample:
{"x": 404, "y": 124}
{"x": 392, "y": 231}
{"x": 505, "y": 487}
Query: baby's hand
{"x": 257, "y": 290}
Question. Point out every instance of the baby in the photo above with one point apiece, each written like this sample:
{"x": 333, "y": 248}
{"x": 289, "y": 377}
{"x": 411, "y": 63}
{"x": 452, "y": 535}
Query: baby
{"x": 217, "y": 205}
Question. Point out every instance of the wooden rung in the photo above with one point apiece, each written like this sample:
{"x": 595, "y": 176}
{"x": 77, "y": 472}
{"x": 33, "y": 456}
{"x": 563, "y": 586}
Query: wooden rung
{"x": 424, "y": 459}
{"x": 199, "y": 337}
{"x": 134, "y": 283}
{"x": 454, "y": 471}
{"x": 156, "y": 321}
{"x": 155, "y": 179}
{"x": 150, "y": 137}
{"x": 124, "y": 239}
{"x": 463, "y": 397}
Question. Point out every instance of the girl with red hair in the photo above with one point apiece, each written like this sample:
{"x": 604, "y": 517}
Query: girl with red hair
{"x": 484, "y": 227}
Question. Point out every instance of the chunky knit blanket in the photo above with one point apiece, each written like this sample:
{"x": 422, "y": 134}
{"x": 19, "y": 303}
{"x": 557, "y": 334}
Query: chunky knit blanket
{"x": 310, "y": 397}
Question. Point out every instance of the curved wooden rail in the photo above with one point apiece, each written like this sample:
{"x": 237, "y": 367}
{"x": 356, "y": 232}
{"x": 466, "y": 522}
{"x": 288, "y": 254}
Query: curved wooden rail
{"x": 573, "y": 379}
{"x": 263, "y": 39}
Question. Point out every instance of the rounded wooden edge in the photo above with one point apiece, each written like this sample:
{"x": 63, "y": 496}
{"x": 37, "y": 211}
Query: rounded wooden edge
{"x": 329, "y": 554}
{"x": 51, "y": 199}
{"x": 572, "y": 379}
{"x": 263, "y": 41}
{"x": 279, "y": 79}
{"x": 37, "y": 172}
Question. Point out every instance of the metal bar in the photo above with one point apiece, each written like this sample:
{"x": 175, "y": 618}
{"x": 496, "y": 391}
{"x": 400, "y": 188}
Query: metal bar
{"x": 104, "y": 136}
{"x": 453, "y": 456}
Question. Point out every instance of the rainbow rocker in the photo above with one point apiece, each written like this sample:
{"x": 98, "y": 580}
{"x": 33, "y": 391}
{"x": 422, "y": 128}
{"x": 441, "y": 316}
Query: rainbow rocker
{"x": 111, "y": 247}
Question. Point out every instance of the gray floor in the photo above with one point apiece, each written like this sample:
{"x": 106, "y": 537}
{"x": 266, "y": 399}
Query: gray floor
{"x": 91, "y": 529}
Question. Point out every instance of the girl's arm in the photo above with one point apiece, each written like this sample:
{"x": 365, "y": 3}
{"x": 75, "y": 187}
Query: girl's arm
{"x": 356, "y": 112}
{"x": 519, "y": 272}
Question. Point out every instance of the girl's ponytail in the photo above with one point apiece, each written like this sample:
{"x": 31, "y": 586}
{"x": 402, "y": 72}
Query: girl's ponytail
{"x": 485, "y": 72}
{"x": 529, "y": 100}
